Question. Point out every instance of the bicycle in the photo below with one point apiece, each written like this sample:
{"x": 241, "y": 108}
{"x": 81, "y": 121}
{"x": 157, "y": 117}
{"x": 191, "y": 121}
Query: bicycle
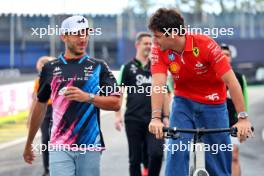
{"x": 197, "y": 158}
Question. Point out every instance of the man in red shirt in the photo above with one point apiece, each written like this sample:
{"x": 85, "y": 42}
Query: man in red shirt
{"x": 201, "y": 73}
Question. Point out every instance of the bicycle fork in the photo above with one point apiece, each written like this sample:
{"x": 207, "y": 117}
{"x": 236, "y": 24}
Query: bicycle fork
{"x": 197, "y": 160}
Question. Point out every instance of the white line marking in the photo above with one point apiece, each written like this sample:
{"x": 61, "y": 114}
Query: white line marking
{"x": 263, "y": 134}
{"x": 15, "y": 142}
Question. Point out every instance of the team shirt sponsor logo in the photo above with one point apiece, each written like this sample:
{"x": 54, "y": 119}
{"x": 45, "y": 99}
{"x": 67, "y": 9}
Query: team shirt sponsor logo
{"x": 67, "y": 79}
{"x": 81, "y": 21}
{"x": 171, "y": 56}
{"x": 141, "y": 79}
{"x": 88, "y": 71}
{"x": 57, "y": 71}
{"x": 199, "y": 65}
{"x": 133, "y": 68}
{"x": 174, "y": 67}
{"x": 200, "y": 68}
{"x": 196, "y": 51}
{"x": 88, "y": 68}
{"x": 213, "y": 97}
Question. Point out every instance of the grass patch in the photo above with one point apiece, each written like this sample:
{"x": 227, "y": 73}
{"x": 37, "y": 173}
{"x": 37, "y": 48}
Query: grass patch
{"x": 13, "y": 118}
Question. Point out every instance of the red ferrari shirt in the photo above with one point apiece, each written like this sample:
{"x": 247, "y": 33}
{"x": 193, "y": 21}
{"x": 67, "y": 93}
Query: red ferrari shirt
{"x": 197, "y": 71}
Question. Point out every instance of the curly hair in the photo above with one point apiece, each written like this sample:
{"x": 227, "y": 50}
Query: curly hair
{"x": 165, "y": 19}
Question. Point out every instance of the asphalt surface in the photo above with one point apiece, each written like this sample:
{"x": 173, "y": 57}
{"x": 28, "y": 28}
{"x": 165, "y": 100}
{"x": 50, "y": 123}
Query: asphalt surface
{"x": 115, "y": 158}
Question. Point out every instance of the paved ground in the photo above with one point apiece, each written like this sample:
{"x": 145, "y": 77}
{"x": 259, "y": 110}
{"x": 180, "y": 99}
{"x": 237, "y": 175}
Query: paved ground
{"x": 252, "y": 152}
{"x": 115, "y": 160}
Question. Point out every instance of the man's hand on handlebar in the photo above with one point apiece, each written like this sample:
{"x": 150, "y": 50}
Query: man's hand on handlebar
{"x": 156, "y": 127}
{"x": 243, "y": 129}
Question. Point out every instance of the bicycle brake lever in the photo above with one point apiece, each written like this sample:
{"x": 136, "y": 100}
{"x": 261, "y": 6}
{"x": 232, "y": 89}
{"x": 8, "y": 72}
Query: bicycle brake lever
{"x": 172, "y": 135}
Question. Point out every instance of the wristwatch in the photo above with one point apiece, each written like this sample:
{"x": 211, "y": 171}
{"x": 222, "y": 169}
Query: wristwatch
{"x": 91, "y": 98}
{"x": 242, "y": 115}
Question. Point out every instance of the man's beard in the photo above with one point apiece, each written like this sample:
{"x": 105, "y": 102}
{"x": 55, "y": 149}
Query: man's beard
{"x": 74, "y": 51}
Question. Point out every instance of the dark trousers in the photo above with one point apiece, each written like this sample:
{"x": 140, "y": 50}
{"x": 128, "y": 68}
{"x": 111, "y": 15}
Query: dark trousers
{"x": 45, "y": 136}
{"x": 138, "y": 136}
{"x": 145, "y": 154}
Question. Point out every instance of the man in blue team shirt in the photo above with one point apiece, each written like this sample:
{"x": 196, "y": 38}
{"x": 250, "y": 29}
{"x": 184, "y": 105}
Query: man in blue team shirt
{"x": 77, "y": 86}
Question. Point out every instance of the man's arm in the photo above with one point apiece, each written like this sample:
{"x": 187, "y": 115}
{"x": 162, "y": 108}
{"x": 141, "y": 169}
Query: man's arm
{"x": 235, "y": 90}
{"x": 118, "y": 114}
{"x": 243, "y": 125}
{"x": 109, "y": 100}
{"x": 221, "y": 66}
{"x": 157, "y": 101}
{"x": 110, "y": 103}
{"x": 121, "y": 81}
{"x": 34, "y": 100}
{"x": 157, "y": 97}
{"x": 166, "y": 109}
{"x": 36, "y": 119}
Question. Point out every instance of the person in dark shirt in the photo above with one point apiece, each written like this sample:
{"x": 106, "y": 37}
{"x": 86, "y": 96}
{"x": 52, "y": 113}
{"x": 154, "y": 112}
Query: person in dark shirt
{"x": 79, "y": 86}
{"x": 236, "y": 171}
{"x": 135, "y": 76}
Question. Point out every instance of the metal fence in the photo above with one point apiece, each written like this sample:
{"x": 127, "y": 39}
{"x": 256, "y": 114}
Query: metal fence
{"x": 20, "y": 47}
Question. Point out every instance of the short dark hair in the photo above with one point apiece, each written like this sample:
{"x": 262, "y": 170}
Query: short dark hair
{"x": 140, "y": 35}
{"x": 165, "y": 18}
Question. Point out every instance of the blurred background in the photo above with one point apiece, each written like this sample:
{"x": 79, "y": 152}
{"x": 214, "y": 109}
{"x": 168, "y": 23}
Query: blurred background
{"x": 119, "y": 21}
{"x": 19, "y": 48}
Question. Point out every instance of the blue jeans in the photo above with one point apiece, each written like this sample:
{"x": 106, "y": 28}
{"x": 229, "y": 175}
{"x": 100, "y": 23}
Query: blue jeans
{"x": 74, "y": 163}
{"x": 189, "y": 114}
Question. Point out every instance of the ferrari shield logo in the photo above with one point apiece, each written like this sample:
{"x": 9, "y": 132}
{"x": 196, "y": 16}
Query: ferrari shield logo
{"x": 195, "y": 51}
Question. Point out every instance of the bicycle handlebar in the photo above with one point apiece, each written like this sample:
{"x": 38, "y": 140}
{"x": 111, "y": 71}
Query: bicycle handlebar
{"x": 174, "y": 130}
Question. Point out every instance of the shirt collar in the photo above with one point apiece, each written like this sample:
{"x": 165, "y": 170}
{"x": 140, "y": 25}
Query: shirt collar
{"x": 188, "y": 42}
{"x": 64, "y": 60}
{"x": 139, "y": 64}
